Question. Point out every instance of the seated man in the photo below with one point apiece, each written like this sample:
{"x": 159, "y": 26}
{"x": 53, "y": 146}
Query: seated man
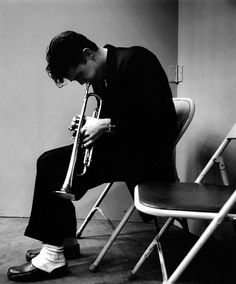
{"x": 133, "y": 139}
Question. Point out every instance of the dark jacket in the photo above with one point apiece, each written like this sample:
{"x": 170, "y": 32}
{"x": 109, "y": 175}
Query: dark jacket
{"x": 139, "y": 102}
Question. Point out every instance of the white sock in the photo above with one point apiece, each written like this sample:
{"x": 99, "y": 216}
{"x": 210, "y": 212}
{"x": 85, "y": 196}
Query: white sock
{"x": 49, "y": 258}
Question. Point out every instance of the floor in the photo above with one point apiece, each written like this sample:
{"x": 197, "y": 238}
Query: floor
{"x": 213, "y": 265}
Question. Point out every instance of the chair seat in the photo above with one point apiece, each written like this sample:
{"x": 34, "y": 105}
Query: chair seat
{"x": 185, "y": 196}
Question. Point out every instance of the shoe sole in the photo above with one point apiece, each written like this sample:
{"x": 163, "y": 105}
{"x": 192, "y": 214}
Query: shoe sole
{"x": 38, "y": 275}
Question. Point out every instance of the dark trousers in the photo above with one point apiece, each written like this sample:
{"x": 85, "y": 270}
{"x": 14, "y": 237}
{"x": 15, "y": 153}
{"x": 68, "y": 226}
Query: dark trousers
{"x": 52, "y": 218}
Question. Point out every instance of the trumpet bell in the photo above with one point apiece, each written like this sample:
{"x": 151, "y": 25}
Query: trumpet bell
{"x": 64, "y": 194}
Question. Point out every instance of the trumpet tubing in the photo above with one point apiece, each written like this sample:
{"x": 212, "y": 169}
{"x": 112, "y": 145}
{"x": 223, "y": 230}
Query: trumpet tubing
{"x": 65, "y": 191}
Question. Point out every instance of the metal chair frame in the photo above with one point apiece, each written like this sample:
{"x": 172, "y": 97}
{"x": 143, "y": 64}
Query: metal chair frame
{"x": 216, "y": 217}
{"x": 183, "y": 124}
{"x": 94, "y": 209}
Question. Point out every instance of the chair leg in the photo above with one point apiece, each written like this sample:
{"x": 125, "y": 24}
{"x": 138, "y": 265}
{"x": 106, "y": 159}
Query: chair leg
{"x": 150, "y": 248}
{"x": 93, "y": 210}
{"x": 93, "y": 266}
{"x": 217, "y": 220}
{"x": 184, "y": 223}
{"x": 156, "y": 226}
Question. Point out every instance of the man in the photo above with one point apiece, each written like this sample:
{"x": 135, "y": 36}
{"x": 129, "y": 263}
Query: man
{"x": 133, "y": 139}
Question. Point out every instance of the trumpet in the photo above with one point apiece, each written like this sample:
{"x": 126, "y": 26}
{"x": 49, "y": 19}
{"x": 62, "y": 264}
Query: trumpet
{"x": 65, "y": 191}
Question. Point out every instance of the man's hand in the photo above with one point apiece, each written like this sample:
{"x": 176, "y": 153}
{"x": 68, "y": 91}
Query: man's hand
{"x": 93, "y": 129}
{"x": 74, "y": 125}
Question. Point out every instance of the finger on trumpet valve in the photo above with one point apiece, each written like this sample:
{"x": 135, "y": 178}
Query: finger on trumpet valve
{"x": 73, "y": 136}
{"x": 74, "y": 123}
{"x": 72, "y": 127}
{"x": 76, "y": 118}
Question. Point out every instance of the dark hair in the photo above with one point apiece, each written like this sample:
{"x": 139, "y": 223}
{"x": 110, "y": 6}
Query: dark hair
{"x": 66, "y": 50}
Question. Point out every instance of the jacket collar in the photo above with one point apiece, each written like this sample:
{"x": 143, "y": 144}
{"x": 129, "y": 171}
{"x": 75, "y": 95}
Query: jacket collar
{"x": 111, "y": 62}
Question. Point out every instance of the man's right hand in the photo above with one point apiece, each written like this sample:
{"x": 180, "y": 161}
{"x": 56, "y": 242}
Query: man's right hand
{"x": 74, "y": 123}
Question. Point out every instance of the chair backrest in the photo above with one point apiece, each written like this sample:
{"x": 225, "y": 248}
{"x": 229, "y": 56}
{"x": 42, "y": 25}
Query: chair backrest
{"x": 232, "y": 133}
{"x": 185, "y": 109}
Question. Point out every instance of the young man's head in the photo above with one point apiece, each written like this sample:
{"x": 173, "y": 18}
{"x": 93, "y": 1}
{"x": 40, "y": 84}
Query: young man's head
{"x": 72, "y": 56}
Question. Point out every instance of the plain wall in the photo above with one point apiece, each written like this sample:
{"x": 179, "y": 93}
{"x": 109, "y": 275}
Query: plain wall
{"x": 34, "y": 113}
{"x": 206, "y": 49}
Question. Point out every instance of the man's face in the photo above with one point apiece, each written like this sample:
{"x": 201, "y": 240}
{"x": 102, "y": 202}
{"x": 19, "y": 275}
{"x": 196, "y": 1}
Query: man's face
{"x": 86, "y": 72}
{"x": 82, "y": 73}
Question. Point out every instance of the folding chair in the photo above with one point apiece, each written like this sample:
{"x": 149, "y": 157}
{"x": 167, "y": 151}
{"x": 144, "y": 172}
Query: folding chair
{"x": 195, "y": 200}
{"x": 185, "y": 109}
{"x": 94, "y": 209}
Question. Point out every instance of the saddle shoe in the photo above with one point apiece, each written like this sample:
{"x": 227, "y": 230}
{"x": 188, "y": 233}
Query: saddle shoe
{"x": 28, "y": 273}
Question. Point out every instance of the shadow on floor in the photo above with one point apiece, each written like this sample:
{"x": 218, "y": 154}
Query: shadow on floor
{"x": 214, "y": 264}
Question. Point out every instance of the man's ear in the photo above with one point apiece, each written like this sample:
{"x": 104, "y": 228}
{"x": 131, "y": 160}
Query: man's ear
{"x": 88, "y": 53}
